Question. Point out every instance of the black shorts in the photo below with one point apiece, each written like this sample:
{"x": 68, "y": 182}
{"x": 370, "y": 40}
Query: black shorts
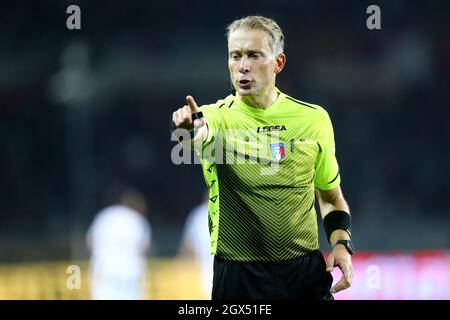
{"x": 304, "y": 278}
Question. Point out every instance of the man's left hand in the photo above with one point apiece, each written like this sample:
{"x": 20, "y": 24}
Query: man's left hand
{"x": 339, "y": 257}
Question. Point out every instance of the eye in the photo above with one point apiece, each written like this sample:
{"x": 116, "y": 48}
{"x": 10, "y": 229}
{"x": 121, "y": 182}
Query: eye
{"x": 234, "y": 56}
{"x": 255, "y": 55}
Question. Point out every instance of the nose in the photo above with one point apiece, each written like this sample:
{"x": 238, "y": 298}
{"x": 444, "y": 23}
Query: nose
{"x": 244, "y": 66}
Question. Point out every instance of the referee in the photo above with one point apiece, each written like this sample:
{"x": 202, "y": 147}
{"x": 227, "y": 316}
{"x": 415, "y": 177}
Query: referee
{"x": 262, "y": 218}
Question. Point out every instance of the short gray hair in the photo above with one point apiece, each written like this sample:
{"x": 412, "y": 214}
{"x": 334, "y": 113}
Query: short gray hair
{"x": 276, "y": 40}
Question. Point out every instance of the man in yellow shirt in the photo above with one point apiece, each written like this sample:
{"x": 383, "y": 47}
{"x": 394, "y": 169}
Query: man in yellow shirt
{"x": 279, "y": 153}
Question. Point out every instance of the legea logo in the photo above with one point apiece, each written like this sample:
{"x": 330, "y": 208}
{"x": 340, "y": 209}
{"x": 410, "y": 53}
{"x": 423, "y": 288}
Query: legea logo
{"x": 271, "y": 128}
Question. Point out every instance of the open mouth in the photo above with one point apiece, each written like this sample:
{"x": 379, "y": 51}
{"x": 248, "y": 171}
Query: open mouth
{"x": 244, "y": 83}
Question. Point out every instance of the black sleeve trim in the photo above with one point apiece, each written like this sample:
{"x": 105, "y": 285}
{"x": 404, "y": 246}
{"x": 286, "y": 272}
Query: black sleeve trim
{"x": 337, "y": 175}
{"x": 303, "y": 104}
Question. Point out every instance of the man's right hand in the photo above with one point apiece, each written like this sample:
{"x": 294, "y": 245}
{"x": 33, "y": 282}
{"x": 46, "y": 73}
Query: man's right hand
{"x": 182, "y": 118}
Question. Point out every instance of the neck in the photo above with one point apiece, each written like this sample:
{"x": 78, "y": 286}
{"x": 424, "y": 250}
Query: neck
{"x": 260, "y": 101}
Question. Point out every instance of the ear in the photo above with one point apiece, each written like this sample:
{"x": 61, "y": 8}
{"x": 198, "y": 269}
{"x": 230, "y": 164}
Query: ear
{"x": 281, "y": 61}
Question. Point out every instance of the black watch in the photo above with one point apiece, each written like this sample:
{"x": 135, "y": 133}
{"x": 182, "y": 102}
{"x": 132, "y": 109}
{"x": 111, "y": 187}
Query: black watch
{"x": 348, "y": 245}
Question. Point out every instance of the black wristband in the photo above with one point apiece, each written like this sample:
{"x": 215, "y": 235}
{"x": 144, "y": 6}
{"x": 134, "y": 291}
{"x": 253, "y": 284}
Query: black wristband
{"x": 197, "y": 115}
{"x": 337, "y": 220}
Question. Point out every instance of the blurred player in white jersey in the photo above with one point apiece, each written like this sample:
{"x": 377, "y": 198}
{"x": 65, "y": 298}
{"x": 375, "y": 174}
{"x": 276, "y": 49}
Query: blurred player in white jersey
{"x": 195, "y": 243}
{"x": 119, "y": 238}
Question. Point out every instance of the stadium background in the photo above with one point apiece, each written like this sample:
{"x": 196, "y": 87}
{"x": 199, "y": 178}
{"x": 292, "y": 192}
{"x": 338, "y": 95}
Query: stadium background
{"x": 81, "y": 110}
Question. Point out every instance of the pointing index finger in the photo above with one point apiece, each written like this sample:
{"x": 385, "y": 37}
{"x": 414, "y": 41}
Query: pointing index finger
{"x": 192, "y": 104}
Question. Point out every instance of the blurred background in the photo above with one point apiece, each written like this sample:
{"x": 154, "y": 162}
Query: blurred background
{"x": 84, "y": 110}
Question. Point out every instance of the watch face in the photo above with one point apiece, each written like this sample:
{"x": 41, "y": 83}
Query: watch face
{"x": 350, "y": 247}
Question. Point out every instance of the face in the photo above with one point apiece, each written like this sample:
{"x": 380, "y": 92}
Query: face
{"x": 252, "y": 64}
